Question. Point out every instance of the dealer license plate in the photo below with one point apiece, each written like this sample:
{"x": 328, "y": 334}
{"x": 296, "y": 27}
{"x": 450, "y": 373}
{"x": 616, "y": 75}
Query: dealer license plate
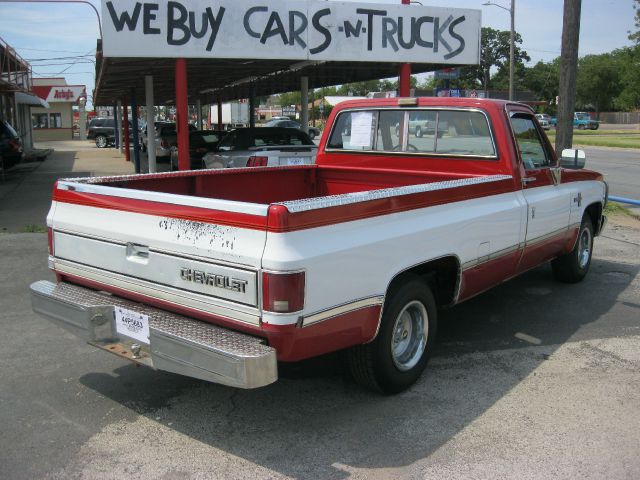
{"x": 295, "y": 160}
{"x": 132, "y": 324}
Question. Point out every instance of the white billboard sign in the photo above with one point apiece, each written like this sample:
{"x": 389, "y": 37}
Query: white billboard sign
{"x": 291, "y": 30}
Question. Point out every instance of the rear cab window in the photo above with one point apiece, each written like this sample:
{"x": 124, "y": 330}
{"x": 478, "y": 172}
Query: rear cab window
{"x": 429, "y": 132}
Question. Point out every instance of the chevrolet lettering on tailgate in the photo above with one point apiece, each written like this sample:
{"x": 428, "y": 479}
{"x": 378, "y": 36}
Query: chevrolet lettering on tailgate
{"x": 218, "y": 281}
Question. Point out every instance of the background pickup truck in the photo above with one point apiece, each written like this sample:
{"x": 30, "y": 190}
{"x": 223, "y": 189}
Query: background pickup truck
{"x": 581, "y": 121}
{"x": 220, "y": 274}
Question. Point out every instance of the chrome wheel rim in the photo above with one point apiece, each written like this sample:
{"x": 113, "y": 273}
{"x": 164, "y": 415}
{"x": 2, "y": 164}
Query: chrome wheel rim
{"x": 584, "y": 248}
{"x": 409, "y": 337}
{"x": 101, "y": 142}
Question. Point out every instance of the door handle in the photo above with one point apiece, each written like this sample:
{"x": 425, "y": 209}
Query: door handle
{"x": 526, "y": 180}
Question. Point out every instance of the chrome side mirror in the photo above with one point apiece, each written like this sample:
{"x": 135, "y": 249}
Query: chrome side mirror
{"x": 573, "y": 159}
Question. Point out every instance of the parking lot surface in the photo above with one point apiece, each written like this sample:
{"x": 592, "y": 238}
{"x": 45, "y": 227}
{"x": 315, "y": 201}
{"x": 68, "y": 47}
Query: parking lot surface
{"x": 533, "y": 379}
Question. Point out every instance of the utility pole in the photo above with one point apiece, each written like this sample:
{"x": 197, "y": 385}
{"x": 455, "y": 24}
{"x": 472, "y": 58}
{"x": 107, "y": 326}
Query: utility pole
{"x": 512, "y": 47}
{"x": 568, "y": 74}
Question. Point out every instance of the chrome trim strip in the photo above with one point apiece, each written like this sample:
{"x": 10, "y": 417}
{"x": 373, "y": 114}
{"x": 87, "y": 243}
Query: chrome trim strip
{"x": 296, "y": 206}
{"x": 492, "y": 256}
{"x": 506, "y": 251}
{"x": 542, "y": 238}
{"x": 341, "y": 310}
{"x": 184, "y": 299}
{"x": 159, "y": 197}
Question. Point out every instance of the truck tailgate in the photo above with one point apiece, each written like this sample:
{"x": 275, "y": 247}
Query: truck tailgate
{"x": 158, "y": 245}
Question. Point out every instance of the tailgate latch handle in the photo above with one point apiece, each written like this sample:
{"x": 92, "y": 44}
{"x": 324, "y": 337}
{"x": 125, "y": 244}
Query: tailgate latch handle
{"x": 137, "y": 253}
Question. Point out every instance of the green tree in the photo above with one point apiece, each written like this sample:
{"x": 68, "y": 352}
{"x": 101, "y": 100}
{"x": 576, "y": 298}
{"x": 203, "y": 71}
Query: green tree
{"x": 628, "y": 60}
{"x": 598, "y": 82}
{"x": 543, "y": 80}
{"x": 635, "y": 36}
{"x": 494, "y": 53}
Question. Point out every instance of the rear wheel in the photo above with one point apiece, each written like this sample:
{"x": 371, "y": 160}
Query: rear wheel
{"x": 396, "y": 358}
{"x": 101, "y": 141}
{"x": 418, "y": 132}
{"x": 574, "y": 266}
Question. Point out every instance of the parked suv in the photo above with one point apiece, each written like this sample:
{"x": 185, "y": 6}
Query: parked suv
{"x": 102, "y": 130}
{"x": 10, "y": 146}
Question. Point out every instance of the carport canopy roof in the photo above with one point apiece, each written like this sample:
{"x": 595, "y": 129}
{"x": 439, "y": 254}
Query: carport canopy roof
{"x": 231, "y": 79}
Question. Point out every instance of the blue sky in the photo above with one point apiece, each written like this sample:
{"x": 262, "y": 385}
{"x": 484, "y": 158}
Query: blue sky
{"x": 50, "y": 31}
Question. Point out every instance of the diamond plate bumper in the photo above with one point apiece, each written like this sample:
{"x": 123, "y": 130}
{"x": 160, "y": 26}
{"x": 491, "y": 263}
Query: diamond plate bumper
{"x": 177, "y": 344}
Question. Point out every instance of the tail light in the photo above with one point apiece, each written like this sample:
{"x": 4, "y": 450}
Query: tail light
{"x": 164, "y": 143}
{"x": 50, "y": 240}
{"x": 15, "y": 144}
{"x": 201, "y": 150}
{"x": 283, "y": 292}
{"x": 257, "y": 161}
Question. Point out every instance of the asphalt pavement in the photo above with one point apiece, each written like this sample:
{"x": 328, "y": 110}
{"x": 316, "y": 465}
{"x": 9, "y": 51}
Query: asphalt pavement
{"x": 533, "y": 379}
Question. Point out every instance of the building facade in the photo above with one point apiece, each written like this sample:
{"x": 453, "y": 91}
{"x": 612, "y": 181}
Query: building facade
{"x": 55, "y": 122}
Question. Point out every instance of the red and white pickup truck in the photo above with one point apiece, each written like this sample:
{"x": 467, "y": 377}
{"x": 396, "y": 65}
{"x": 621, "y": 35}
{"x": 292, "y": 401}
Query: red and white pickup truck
{"x": 220, "y": 274}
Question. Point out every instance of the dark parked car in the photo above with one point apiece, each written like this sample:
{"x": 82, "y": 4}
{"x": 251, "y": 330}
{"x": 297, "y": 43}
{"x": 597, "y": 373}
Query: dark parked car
{"x": 201, "y": 142}
{"x": 102, "y": 130}
{"x": 313, "y": 131}
{"x": 10, "y": 146}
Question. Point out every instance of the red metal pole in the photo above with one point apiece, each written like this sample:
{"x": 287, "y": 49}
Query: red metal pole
{"x": 219, "y": 112}
{"x": 125, "y": 129}
{"x": 405, "y": 73}
{"x": 182, "y": 112}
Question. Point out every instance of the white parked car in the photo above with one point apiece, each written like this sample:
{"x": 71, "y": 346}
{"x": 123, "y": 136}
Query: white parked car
{"x": 544, "y": 120}
{"x": 261, "y": 147}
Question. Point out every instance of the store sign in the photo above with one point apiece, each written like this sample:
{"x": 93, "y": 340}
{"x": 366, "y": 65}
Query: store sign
{"x": 292, "y": 30}
{"x": 67, "y": 94}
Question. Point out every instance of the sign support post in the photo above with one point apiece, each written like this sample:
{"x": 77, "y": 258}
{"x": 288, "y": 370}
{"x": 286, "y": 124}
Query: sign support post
{"x": 304, "y": 101}
{"x": 125, "y": 130}
{"x": 404, "y": 86}
{"x": 151, "y": 135}
{"x": 182, "y": 111}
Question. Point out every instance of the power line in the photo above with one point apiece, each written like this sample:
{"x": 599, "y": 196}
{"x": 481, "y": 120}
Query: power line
{"x": 44, "y": 50}
{"x": 57, "y": 58}
{"x": 63, "y": 63}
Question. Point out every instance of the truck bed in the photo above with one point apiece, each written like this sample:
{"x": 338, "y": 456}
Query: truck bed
{"x": 266, "y": 186}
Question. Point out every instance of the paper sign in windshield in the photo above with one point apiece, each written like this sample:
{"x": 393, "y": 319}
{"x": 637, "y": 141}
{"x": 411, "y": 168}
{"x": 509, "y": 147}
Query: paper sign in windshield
{"x": 132, "y": 324}
{"x": 361, "y": 126}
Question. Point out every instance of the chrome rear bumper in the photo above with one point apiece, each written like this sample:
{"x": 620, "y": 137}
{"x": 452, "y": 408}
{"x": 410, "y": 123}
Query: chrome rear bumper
{"x": 177, "y": 344}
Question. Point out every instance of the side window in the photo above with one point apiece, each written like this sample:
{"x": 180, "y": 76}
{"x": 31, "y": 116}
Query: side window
{"x": 530, "y": 144}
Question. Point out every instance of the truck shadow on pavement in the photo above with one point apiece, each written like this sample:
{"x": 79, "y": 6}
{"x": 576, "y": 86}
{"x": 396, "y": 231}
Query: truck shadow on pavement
{"x": 315, "y": 423}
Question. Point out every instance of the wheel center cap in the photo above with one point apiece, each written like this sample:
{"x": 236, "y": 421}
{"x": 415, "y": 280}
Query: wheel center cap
{"x": 405, "y": 334}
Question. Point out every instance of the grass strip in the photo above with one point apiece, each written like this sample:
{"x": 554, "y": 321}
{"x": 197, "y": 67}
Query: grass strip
{"x": 598, "y": 141}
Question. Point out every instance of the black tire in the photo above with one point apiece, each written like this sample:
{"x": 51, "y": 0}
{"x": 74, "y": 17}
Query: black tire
{"x": 378, "y": 365}
{"x": 418, "y": 131}
{"x": 574, "y": 266}
{"x": 581, "y": 126}
{"x": 101, "y": 141}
